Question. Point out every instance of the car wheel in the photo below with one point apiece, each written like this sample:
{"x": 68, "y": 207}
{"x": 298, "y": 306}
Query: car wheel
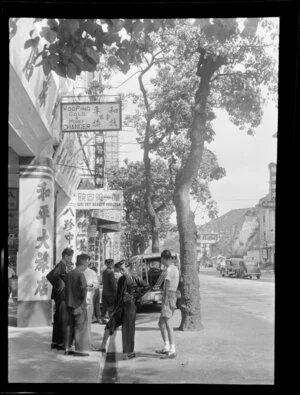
{"x": 250, "y": 276}
{"x": 258, "y": 276}
{"x": 223, "y": 274}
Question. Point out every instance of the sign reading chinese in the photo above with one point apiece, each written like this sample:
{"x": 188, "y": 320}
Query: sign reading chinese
{"x": 99, "y": 160}
{"x": 35, "y": 257}
{"x": 90, "y": 117}
{"x": 87, "y": 199}
{"x": 66, "y": 230}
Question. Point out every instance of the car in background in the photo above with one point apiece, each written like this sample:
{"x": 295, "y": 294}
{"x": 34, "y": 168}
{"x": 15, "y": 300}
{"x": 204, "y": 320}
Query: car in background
{"x": 149, "y": 268}
{"x": 239, "y": 268}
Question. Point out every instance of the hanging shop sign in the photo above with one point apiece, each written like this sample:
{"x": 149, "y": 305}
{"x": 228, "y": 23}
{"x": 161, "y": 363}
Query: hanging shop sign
{"x": 99, "y": 161}
{"x": 67, "y": 174}
{"x": 99, "y": 199}
{"x": 90, "y": 116}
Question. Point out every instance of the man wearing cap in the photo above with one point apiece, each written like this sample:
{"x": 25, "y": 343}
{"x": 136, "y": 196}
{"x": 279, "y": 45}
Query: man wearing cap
{"x": 109, "y": 292}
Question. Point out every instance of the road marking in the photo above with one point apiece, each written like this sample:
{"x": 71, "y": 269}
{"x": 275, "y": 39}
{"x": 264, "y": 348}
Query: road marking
{"x": 110, "y": 368}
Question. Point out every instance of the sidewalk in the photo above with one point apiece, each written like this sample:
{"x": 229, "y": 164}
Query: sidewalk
{"x": 228, "y": 351}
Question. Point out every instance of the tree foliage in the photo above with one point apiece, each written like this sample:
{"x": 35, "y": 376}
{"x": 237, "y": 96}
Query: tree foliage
{"x": 76, "y": 45}
{"x": 131, "y": 179}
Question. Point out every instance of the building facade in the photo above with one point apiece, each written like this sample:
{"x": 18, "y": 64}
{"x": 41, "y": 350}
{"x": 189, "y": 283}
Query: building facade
{"x": 45, "y": 169}
{"x": 267, "y": 220}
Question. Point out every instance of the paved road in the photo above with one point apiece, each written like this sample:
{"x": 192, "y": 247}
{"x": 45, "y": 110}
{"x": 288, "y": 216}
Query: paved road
{"x": 235, "y": 347}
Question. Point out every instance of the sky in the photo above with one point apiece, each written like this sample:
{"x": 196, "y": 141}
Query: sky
{"x": 245, "y": 158}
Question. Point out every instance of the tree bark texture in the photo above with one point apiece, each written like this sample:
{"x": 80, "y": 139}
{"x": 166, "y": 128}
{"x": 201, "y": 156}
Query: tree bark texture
{"x": 148, "y": 187}
{"x": 190, "y": 286}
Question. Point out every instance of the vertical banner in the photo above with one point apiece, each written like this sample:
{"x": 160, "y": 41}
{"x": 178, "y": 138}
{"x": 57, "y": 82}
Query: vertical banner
{"x": 36, "y": 212}
{"x": 99, "y": 160}
{"x": 66, "y": 230}
{"x": 82, "y": 223}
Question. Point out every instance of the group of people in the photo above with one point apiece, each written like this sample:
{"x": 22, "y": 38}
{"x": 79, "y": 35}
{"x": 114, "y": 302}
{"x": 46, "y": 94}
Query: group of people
{"x": 77, "y": 301}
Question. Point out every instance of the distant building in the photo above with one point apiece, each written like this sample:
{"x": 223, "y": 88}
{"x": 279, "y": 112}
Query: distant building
{"x": 205, "y": 242}
{"x": 266, "y": 216}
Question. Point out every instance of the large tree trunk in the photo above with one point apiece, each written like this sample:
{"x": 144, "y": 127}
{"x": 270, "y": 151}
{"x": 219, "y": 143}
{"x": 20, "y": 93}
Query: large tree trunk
{"x": 190, "y": 286}
{"x": 147, "y": 163}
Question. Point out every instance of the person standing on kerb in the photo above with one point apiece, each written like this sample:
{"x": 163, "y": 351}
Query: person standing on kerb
{"x": 57, "y": 277}
{"x": 109, "y": 292}
{"x": 76, "y": 292}
{"x": 169, "y": 300}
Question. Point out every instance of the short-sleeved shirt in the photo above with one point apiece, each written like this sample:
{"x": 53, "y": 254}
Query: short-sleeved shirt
{"x": 173, "y": 277}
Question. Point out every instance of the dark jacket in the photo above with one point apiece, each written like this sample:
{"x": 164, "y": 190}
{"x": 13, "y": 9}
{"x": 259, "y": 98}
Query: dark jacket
{"x": 76, "y": 289}
{"x": 132, "y": 285}
{"x": 57, "y": 278}
{"x": 109, "y": 283}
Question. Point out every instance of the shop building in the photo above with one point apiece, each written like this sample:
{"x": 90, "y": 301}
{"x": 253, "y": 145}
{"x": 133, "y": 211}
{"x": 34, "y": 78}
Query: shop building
{"x": 45, "y": 169}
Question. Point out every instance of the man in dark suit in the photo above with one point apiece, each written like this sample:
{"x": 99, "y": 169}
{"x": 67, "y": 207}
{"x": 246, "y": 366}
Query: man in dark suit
{"x": 76, "y": 290}
{"x": 109, "y": 292}
{"x": 57, "y": 279}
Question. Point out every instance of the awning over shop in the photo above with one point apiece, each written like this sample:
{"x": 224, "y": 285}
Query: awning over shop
{"x": 106, "y": 217}
{"x": 110, "y": 228}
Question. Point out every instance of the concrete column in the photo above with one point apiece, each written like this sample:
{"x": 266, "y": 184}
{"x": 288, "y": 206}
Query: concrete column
{"x": 35, "y": 257}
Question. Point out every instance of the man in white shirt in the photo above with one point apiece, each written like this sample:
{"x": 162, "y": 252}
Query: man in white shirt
{"x": 168, "y": 305}
{"x": 92, "y": 284}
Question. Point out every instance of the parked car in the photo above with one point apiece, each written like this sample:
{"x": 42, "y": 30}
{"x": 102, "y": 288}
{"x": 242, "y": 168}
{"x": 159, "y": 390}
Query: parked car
{"x": 149, "y": 268}
{"x": 237, "y": 267}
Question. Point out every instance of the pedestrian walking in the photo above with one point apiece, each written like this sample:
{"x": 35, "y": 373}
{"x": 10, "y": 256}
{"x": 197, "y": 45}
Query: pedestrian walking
{"x": 11, "y": 274}
{"x": 168, "y": 305}
{"x": 76, "y": 292}
{"x": 109, "y": 292}
{"x": 92, "y": 284}
{"x": 130, "y": 289}
{"x": 57, "y": 278}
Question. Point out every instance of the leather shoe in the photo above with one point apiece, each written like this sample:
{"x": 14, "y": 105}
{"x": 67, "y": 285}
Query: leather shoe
{"x": 69, "y": 352}
{"x": 80, "y": 354}
{"x": 60, "y": 347}
{"x": 99, "y": 349}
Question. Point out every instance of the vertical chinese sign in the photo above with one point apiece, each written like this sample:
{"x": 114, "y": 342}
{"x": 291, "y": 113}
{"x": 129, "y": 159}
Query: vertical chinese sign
{"x": 66, "y": 230}
{"x": 36, "y": 210}
{"x": 99, "y": 160}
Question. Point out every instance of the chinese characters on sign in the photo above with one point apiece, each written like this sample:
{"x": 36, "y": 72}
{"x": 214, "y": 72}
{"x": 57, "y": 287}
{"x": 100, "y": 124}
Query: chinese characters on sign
{"x": 81, "y": 117}
{"x": 42, "y": 260}
{"x": 99, "y": 160}
{"x": 99, "y": 199}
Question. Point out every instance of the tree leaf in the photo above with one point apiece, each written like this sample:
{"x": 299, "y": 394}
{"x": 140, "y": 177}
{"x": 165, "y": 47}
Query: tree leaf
{"x": 53, "y": 60}
{"x": 78, "y": 60}
{"x": 92, "y": 54}
{"x": 71, "y": 71}
{"x": 112, "y": 61}
{"x": 110, "y": 38}
{"x": 90, "y": 27}
{"x": 122, "y": 53}
{"x": 72, "y": 25}
{"x": 52, "y": 23}
{"x": 52, "y": 36}
{"x": 137, "y": 27}
{"x": 28, "y": 44}
{"x": 46, "y": 66}
{"x": 118, "y": 24}
{"x": 61, "y": 70}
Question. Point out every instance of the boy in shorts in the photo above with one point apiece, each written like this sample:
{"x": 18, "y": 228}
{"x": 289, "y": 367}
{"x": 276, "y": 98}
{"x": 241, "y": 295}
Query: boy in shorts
{"x": 168, "y": 305}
